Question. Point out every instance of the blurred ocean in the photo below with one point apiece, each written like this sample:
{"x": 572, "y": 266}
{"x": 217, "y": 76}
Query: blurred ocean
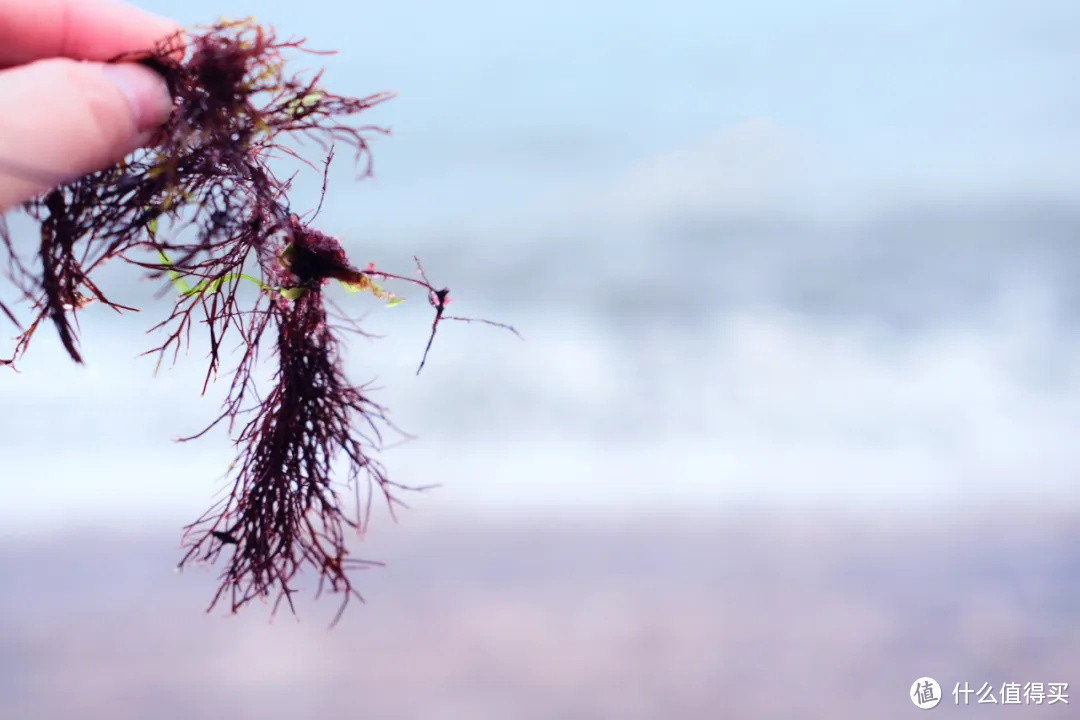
{"x": 925, "y": 355}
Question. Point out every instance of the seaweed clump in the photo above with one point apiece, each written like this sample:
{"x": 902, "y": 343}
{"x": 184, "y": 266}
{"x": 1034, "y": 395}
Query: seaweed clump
{"x": 203, "y": 207}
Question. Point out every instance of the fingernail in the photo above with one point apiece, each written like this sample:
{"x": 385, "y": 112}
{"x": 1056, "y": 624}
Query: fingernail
{"x": 146, "y": 91}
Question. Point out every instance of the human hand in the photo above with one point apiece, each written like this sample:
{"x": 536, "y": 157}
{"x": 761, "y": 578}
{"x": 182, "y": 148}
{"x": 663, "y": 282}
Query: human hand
{"x": 63, "y": 111}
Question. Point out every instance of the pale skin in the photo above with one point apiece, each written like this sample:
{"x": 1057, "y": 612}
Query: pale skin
{"x": 65, "y": 112}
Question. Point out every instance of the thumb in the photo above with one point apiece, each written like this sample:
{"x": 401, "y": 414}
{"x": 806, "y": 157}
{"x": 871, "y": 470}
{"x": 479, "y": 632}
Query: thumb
{"x": 61, "y": 119}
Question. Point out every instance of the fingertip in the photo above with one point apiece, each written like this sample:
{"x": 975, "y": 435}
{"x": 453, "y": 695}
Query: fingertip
{"x": 146, "y": 92}
{"x": 70, "y": 118}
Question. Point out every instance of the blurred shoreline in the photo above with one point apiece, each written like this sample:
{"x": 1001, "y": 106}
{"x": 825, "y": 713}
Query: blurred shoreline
{"x": 763, "y": 614}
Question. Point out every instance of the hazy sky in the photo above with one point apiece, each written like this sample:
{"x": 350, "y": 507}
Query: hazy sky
{"x": 762, "y": 252}
{"x": 500, "y": 101}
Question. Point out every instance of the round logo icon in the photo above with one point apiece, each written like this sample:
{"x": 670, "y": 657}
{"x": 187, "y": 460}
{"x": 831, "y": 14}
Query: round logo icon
{"x": 925, "y": 693}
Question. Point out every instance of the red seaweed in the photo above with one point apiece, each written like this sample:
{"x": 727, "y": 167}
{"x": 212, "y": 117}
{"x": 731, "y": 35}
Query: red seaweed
{"x": 207, "y": 177}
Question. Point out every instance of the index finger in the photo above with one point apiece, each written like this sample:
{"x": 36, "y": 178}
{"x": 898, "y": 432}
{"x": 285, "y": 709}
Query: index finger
{"x": 79, "y": 29}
